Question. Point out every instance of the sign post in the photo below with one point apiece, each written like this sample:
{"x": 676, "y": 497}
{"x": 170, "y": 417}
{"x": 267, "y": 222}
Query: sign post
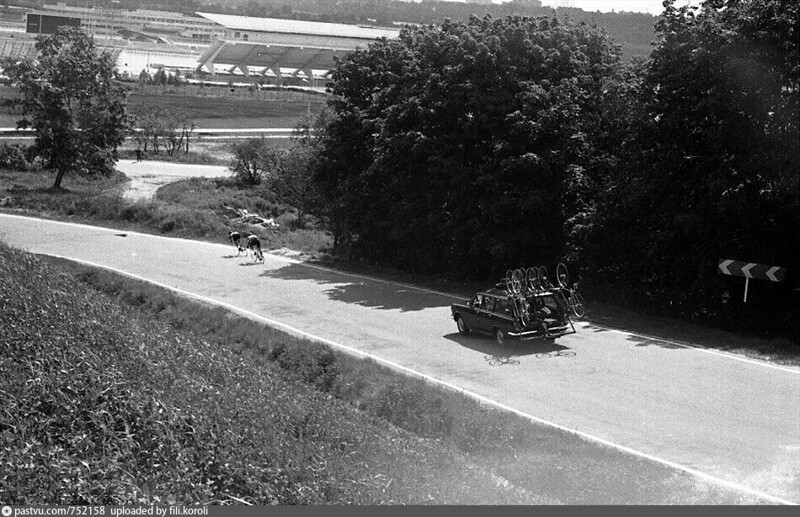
{"x": 751, "y": 270}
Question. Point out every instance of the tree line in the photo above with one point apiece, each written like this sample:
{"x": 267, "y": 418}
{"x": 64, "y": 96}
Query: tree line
{"x": 467, "y": 148}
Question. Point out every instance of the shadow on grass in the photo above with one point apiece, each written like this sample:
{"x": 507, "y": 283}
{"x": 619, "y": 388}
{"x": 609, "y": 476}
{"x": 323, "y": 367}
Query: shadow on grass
{"x": 509, "y": 353}
{"x": 362, "y": 291}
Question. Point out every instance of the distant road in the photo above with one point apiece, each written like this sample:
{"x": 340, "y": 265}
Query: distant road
{"x": 11, "y": 133}
{"x": 147, "y": 176}
{"x": 718, "y": 416}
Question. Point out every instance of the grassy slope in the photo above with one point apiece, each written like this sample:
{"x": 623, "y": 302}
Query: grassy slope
{"x": 116, "y": 391}
{"x": 104, "y": 404}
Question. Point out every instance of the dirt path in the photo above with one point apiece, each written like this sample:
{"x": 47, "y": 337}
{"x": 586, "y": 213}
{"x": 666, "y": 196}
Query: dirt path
{"x": 147, "y": 176}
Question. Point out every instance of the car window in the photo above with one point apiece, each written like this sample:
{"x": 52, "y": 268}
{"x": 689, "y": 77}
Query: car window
{"x": 477, "y": 301}
{"x": 503, "y": 307}
{"x": 488, "y": 303}
{"x": 551, "y": 303}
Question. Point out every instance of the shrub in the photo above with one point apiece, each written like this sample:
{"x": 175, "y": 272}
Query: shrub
{"x": 14, "y": 157}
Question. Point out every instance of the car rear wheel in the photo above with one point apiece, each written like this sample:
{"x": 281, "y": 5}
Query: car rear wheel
{"x": 462, "y": 327}
{"x": 500, "y": 336}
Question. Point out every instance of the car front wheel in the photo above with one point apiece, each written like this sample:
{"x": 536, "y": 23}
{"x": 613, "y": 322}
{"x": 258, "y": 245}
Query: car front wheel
{"x": 500, "y": 336}
{"x": 462, "y": 327}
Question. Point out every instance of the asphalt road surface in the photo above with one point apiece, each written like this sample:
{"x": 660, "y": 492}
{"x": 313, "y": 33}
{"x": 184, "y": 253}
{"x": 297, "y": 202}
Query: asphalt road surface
{"x": 726, "y": 418}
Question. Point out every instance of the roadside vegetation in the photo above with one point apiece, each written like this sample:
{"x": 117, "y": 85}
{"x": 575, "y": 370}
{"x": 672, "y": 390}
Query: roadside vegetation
{"x": 118, "y": 392}
{"x": 71, "y": 100}
{"x": 194, "y": 208}
{"x": 493, "y": 144}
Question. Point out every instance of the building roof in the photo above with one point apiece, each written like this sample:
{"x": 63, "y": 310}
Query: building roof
{"x": 246, "y": 23}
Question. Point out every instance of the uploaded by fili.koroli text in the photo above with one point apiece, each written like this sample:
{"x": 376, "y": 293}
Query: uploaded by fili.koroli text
{"x": 177, "y": 510}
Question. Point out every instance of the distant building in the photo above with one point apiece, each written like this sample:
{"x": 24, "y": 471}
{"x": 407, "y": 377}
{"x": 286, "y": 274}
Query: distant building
{"x": 37, "y": 23}
{"x": 281, "y": 49}
{"x": 147, "y": 24}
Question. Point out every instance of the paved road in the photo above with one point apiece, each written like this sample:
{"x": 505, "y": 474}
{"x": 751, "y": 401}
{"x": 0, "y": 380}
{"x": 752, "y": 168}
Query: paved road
{"x": 723, "y": 416}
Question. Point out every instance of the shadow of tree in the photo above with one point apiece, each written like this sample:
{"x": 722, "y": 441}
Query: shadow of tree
{"x": 638, "y": 339}
{"x": 366, "y": 292}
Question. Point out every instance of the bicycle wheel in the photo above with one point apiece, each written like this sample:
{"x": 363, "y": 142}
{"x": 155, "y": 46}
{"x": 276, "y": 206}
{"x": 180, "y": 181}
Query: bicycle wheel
{"x": 562, "y": 275}
{"x": 577, "y": 304}
{"x": 533, "y": 278}
{"x": 543, "y": 280}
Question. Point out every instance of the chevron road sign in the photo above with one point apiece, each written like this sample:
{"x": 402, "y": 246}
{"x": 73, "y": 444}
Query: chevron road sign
{"x": 751, "y": 270}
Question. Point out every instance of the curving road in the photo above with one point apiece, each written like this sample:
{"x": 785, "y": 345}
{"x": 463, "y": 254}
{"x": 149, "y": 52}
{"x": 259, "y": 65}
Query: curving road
{"x": 723, "y": 417}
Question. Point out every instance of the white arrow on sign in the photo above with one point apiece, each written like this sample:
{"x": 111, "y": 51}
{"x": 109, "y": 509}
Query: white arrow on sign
{"x": 771, "y": 273}
{"x": 746, "y": 270}
{"x": 724, "y": 266}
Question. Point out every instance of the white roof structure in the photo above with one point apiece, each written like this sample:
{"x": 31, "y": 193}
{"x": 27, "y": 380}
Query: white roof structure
{"x": 272, "y": 46}
{"x": 246, "y": 23}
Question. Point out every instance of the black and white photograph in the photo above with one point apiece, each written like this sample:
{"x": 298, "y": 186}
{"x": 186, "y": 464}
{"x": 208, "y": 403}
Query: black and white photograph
{"x": 373, "y": 255}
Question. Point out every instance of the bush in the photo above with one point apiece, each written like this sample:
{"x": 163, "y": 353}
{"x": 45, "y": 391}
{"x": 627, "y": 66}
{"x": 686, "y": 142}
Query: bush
{"x": 15, "y": 157}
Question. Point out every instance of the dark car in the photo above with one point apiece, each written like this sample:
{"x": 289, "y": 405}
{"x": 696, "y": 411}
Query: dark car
{"x": 505, "y": 315}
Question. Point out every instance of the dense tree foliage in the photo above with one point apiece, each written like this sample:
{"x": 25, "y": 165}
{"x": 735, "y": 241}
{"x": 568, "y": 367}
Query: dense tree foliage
{"x": 468, "y": 148}
{"x": 710, "y": 168}
{"x": 462, "y": 147}
{"x": 69, "y": 96}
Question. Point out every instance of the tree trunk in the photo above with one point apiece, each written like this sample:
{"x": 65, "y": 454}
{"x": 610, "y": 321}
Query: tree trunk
{"x": 59, "y": 177}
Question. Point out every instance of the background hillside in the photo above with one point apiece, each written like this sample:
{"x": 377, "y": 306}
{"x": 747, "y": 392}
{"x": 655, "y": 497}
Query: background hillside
{"x": 633, "y": 31}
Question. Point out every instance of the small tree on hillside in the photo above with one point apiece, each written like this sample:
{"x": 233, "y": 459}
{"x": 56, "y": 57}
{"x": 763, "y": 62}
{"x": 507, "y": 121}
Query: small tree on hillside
{"x": 253, "y": 159}
{"x": 74, "y": 105}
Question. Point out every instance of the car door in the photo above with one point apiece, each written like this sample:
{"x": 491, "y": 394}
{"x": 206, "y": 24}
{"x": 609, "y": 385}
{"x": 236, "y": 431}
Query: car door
{"x": 503, "y": 315}
{"x": 470, "y": 313}
{"x": 486, "y": 314}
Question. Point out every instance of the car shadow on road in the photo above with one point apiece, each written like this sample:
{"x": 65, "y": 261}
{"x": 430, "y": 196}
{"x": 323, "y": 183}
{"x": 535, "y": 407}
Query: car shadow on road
{"x": 373, "y": 293}
{"x": 510, "y": 352}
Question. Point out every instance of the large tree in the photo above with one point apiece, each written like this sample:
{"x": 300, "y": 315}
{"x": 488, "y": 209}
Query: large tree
{"x": 459, "y": 147}
{"x": 69, "y": 96}
{"x": 711, "y": 170}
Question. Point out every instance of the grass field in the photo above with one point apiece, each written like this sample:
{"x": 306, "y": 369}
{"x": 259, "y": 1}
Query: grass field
{"x": 214, "y": 107}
